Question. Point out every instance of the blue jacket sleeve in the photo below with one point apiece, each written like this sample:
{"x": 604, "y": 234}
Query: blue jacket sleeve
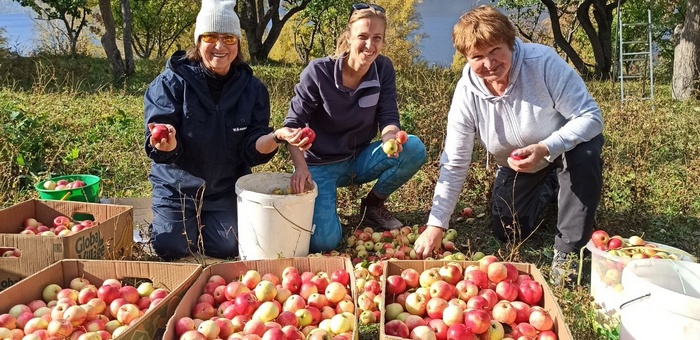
{"x": 387, "y": 108}
{"x": 306, "y": 99}
{"x": 163, "y": 104}
{"x": 259, "y": 126}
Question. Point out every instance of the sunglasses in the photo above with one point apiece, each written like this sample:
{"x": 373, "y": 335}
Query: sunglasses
{"x": 359, "y": 6}
{"x": 212, "y": 38}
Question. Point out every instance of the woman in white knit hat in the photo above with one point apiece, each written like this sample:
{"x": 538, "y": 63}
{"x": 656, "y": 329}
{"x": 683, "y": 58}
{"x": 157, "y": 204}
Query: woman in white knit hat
{"x": 217, "y": 118}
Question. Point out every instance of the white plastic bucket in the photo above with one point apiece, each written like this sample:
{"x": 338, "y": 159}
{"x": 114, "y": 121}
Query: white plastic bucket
{"x": 272, "y": 226}
{"x": 607, "y": 288}
{"x": 662, "y": 300}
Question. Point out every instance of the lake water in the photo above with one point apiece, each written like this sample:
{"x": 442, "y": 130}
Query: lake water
{"x": 438, "y": 17}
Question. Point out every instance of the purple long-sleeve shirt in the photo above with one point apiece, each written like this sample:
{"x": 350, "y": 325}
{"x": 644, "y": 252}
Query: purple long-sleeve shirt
{"x": 344, "y": 120}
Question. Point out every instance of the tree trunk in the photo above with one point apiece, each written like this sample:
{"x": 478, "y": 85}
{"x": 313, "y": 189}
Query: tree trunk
{"x": 686, "y": 60}
{"x": 109, "y": 42}
{"x": 126, "y": 37}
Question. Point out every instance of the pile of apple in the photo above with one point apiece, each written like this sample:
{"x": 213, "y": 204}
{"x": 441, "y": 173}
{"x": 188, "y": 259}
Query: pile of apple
{"x": 63, "y": 184}
{"x": 491, "y": 300}
{"x": 368, "y": 286}
{"x": 62, "y": 226}
{"x": 370, "y": 245}
{"x": 82, "y": 311}
{"x": 304, "y": 305}
{"x": 10, "y": 252}
{"x": 632, "y": 248}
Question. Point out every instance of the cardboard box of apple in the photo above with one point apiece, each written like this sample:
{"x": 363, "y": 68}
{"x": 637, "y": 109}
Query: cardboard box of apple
{"x": 60, "y": 226}
{"x": 486, "y": 300}
{"x": 297, "y": 305}
{"x": 82, "y": 311}
{"x": 370, "y": 291}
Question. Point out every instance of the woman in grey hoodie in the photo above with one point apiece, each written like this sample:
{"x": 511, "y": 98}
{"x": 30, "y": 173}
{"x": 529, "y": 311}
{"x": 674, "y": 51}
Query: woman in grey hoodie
{"x": 532, "y": 112}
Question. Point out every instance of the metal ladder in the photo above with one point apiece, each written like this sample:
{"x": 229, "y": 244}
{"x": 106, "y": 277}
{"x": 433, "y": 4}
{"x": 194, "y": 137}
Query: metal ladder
{"x": 635, "y": 58}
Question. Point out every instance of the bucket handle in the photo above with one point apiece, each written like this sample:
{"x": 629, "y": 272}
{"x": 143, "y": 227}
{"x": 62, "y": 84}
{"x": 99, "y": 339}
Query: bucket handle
{"x": 288, "y": 220}
{"x": 635, "y": 299}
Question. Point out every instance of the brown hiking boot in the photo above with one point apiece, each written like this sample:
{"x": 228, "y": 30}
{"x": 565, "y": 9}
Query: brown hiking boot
{"x": 378, "y": 217}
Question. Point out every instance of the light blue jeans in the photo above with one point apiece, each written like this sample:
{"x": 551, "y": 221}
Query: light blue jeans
{"x": 369, "y": 164}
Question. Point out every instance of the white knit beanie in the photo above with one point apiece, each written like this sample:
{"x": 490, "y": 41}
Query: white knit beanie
{"x": 217, "y": 16}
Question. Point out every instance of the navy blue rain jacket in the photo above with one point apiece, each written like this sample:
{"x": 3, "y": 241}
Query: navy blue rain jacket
{"x": 215, "y": 141}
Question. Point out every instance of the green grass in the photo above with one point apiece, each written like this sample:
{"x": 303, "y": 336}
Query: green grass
{"x": 65, "y": 116}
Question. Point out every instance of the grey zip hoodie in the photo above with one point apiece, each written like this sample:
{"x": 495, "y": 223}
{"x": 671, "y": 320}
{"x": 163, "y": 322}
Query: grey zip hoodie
{"x": 546, "y": 101}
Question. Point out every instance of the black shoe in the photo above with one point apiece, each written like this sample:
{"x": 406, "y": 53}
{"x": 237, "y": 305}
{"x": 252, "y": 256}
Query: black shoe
{"x": 564, "y": 268}
{"x": 378, "y": 216}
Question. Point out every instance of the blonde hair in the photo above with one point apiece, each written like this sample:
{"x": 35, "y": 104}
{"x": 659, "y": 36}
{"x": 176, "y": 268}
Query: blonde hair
{"x": 343, "y": 42}
{"x": 482, "y": 27}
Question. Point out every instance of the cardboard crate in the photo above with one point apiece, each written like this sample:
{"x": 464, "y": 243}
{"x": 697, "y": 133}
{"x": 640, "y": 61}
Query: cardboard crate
{"x": 234, "y": 270}
{"x": 176, "y": 277}
{"x": 111, "y": 238}
{"x": 550, "y": 302}
{"x": 8, "y": 277}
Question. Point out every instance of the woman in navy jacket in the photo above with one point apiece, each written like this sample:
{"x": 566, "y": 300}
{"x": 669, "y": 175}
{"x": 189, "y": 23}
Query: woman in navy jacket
{"x": 217, "y": 114}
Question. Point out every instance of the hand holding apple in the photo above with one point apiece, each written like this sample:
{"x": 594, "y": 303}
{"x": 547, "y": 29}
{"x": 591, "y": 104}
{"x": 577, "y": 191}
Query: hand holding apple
{"x": 391, "y": 147}
{"x": 401, "y": 137}
{"x": 162, "y": 137}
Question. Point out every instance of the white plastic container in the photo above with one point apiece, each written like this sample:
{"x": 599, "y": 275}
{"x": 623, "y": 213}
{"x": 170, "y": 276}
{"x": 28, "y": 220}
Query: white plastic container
{"x": 607, "y": 287}
{"x": 662, "y": 300}
{"x": 271, "y": 226}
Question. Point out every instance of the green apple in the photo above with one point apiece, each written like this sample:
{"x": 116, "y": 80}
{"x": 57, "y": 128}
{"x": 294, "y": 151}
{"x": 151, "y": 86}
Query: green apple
{"x": 145, "y": 289}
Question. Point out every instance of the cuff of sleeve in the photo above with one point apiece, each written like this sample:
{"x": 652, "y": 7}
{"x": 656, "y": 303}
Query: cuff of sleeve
{"x": 554, "y": 151}
{"x": 434, "y": 221}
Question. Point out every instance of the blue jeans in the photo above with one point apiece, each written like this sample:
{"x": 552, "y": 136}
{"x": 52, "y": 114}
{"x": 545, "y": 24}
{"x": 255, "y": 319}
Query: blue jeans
{"x": 176, "y": 231}
{"x": 369, "y": 164}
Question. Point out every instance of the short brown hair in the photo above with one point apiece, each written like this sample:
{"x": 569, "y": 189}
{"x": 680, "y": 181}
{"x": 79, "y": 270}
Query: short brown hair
{"x": 482, "y": 27}
{"x": 342, "y": 43}
{"x": 192, "y": 53}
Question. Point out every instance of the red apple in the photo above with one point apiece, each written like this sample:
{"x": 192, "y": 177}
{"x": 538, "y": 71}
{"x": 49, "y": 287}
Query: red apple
{"x": 614, "y": 243}
{"x": 308, "y": 133}
{"x": 160, "y": 132}
{"x": 467, "y": 212}
{"x": 515, "y": 155}
{"x": 395, "y": 284}
{"x": 530, "y": 292}
{"x": 507, "y": 291}
{"x": 396, "y": 328}
{"x": 203, "y": 311}
{"x": 600, "y": 238}
{"x": 108, "y": 293}
{"x": 477, "y": 320}
{"x": 130, "y": 294}
{"x": 540, "y": 319}
{"x": 401, "y": 137}
{"x": 478, "y": 277}
{"x": 246, "y": 303}
{"x": 459, "y": 332}
{"x": 522, "y": 310}
{"x": 341, "y": 276}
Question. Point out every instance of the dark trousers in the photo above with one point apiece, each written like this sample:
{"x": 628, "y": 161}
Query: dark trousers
{"x": 176, "y": 230}
{"x": 518, "y": 198}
